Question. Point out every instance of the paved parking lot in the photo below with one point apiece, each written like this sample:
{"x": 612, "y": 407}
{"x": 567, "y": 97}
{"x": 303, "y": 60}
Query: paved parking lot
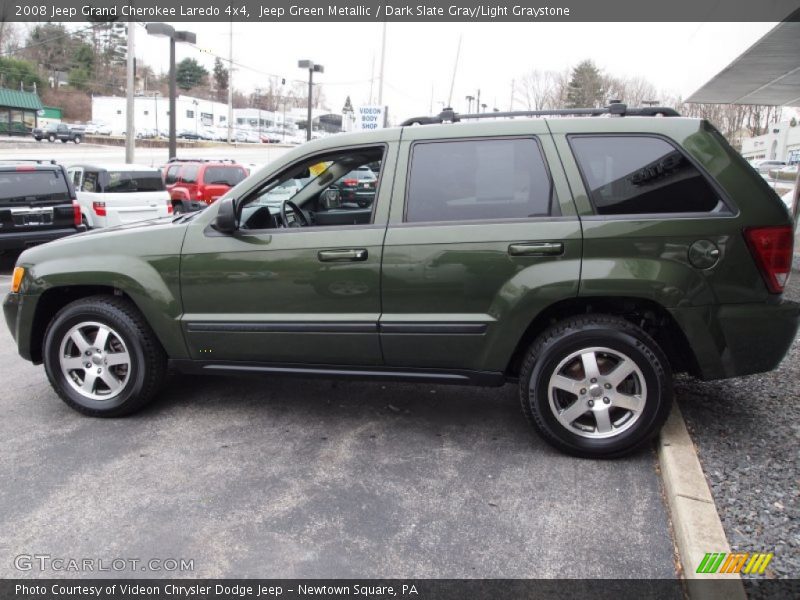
{"x": 313, "y": 478}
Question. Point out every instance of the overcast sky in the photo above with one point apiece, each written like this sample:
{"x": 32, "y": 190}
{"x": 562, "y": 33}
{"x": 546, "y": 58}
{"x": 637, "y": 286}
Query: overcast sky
{"x": 676, "y": 57}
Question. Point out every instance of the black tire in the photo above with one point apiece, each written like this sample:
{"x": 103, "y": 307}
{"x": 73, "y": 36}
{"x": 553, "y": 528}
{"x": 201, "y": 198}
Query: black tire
{"x": 177, "y": 208}
{"x": 620, "y": 338}
{"x": 77, "y": 139}
{"x": 51, "y": 138}
{"x": 85, "y": 222}
{"x": 142, "y": 377}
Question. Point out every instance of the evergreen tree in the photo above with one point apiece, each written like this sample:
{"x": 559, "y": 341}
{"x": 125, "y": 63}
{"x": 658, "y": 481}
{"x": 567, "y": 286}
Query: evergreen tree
{"x": 585, "y": 88}
{"x": 221, "y": 80}
{"x": 189, "y": 73}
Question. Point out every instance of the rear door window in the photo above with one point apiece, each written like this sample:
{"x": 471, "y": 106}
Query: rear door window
{"x": 470, "y": 180}
{"x": 641, "y": 175}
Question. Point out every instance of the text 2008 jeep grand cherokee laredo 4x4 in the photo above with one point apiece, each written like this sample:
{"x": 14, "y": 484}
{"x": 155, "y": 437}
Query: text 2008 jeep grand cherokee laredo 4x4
{"x": 586, "y": 258}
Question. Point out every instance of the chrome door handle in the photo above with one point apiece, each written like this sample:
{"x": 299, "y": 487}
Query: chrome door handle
{"x": 536, "y": 249}
{"x": 349, "y": 254}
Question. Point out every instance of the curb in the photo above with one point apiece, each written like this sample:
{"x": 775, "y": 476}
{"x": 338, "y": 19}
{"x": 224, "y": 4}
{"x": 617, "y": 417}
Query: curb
{"x": 695, "y": 520}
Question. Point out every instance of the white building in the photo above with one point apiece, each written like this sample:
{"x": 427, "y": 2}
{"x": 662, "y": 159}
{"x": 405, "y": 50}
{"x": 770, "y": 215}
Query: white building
{"x": 781, "y": 143}
{"x": 152, "y": 112}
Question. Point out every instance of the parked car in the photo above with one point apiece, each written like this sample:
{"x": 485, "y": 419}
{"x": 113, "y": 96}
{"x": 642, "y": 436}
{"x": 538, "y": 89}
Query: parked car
{"x": 119, "y": 194}
{"x": 358, "y": 186}
{"x": 250, "y": 137}
{"x": 187, "y": 134}
{"x": 97, "y": 128}
{"x": 764, "y": 166}
{"x": 37, "y": 204}
{"x": 585, "y": 260}
{"x": 193, "y": 183}
{"x": 146, "y": 133}
{"x": 59, "y": 131}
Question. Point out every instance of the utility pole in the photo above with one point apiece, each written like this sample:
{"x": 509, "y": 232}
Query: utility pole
{"x": 130, "y": 134}
{"x": 230, "y": 85}
{"x": 371, "y": 79}
{"x": 383, "y": 61}
{"x": 478, "y": 102}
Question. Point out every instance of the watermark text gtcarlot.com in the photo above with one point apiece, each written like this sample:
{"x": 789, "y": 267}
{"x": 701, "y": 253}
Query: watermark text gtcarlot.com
{"x": 59, "y": 564}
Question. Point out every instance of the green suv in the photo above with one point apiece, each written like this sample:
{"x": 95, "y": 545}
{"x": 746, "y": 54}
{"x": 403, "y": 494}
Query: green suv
{"x": 584, "y": 259}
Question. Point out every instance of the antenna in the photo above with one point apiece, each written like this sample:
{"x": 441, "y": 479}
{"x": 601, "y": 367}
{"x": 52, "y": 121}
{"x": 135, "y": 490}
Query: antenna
{"x": 455, "y": 68}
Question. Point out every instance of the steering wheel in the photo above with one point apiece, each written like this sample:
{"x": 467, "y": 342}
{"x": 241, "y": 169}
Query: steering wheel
{"x": 299, "y": 216}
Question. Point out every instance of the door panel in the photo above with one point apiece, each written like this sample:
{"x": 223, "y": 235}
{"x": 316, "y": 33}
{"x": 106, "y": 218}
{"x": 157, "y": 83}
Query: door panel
{"x": 460, "y": 295}
{"x": 298, "y": 295}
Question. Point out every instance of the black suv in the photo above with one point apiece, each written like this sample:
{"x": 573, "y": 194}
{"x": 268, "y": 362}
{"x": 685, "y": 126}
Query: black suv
{"x": 37, "y": 204}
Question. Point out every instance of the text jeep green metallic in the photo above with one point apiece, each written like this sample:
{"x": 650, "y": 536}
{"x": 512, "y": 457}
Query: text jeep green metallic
{"x": 586, "y": 258}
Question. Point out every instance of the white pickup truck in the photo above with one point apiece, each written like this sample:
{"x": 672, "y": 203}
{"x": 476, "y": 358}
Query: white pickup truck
{"x": 116, "y": 194}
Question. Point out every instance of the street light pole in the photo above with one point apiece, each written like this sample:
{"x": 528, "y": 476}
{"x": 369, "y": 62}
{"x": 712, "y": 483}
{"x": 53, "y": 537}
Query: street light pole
{"x": 312, "y": 68}
{"x": 173, "y": 142}
{"x": 130, "y": 133}
{"x": 164, "y": 30}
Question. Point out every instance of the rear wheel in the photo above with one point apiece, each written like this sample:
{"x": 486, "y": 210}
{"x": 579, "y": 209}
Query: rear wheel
{"x": 51, "y": 138}
{"x": 596, "y": 386}
{"x": 102, "y": 358}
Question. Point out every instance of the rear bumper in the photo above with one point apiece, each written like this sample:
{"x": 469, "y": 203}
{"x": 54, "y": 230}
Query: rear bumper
{"x": 732, "y": 340}
{"x": 25, "y": 239}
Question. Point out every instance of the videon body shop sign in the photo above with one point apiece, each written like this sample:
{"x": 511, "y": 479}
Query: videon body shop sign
{"x": 370, "y": 117}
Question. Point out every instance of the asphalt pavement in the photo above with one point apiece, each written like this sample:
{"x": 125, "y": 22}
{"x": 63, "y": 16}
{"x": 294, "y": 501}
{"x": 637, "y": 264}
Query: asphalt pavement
{"x": 275, "y": 477}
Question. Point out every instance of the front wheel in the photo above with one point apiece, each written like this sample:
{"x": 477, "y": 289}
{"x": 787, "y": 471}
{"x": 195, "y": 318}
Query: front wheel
{"x": 77, "y": 139}
{"x": 596, "y": 386}
{"x": 102, "y": 358}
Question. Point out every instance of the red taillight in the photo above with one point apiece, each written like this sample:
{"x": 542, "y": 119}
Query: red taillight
{"x": 99, "y": 208}
{"x": 169, "y": 207}
{"x": 350, "y": 182}
{"x": 76, "y": 212}
{"x": 772, "y": 249}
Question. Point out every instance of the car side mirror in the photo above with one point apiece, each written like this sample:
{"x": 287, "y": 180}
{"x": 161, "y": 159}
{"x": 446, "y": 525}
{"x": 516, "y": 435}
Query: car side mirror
{"x": 225, "y": 221}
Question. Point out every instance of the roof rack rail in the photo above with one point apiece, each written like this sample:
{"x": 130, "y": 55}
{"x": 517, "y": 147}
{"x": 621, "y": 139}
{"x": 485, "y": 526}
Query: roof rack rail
{"x": 202, "y": 160}
{"x": 38, "y": 161}
{"x": 448, "y": 115}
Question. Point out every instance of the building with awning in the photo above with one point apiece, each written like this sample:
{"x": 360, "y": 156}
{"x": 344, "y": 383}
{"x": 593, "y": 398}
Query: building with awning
{"x": 18, "y": 111}
{"x": 767, "y": 73}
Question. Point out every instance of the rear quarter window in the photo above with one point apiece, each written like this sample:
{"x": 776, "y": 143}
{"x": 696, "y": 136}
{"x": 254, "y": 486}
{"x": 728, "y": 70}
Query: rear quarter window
{"x": 641, "y": 175}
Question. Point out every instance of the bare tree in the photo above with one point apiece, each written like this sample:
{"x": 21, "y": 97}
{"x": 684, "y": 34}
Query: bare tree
{"x": 537, "y": 90}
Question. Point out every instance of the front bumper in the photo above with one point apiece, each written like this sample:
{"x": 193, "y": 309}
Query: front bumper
{"x": 19, "y": 310}
{"x": 732, "y": 340}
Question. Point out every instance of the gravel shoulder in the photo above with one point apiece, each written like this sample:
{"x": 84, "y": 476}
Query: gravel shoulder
{"x": 747, "y": 431}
